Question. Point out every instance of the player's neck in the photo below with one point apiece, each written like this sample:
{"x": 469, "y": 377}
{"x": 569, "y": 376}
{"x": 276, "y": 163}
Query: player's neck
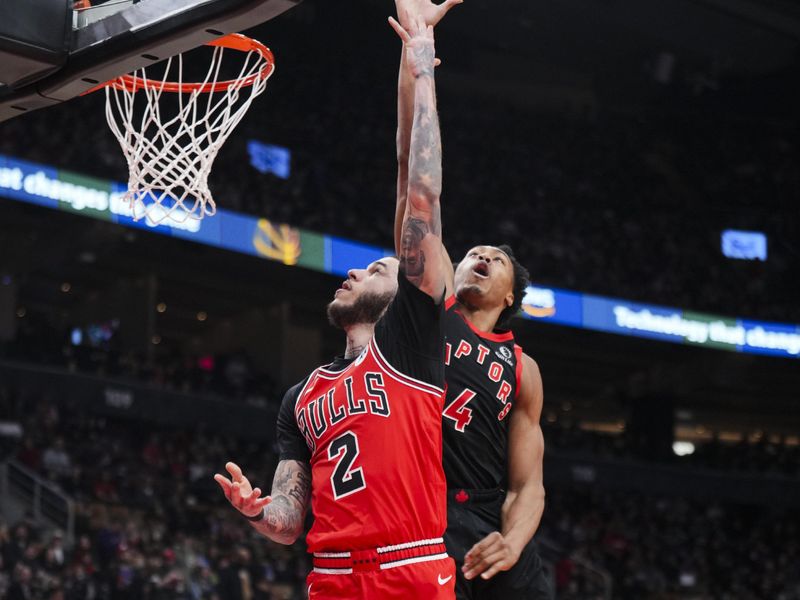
{"x": 358, "y": 336}
{"x": 482, "y": 319}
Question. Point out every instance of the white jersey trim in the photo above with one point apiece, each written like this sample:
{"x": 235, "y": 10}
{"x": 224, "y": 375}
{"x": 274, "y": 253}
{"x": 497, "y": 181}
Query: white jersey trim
{"x": 402, "y": 377}
{"x": 318, "y": 372}
{"x": 332, "y": 374}
{"x": 332, "y": 554}
{"x": 333, "y": 571}
{"x": 408, "y": 545}
{"x": 303, "y": 390}
{"x": 411, "y": 561}
{"x": 389, "y": 565}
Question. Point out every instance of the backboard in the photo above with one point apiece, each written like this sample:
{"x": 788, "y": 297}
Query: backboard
{"x": 51, "y": 54}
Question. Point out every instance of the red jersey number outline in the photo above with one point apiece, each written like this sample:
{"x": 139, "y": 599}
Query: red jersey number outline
{"x": 457, "y": 410}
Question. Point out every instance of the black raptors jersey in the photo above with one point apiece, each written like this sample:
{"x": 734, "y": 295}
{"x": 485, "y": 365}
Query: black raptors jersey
{"x": 482, "y": 372}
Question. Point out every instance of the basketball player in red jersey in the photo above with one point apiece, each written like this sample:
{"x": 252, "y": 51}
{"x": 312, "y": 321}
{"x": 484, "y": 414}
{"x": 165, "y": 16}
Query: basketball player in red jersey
{"x": 493, "y": 443}
{"x": 361, "y": 438}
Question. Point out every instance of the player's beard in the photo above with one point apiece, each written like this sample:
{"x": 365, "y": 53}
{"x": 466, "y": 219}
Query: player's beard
{"x": 367, "y": 309}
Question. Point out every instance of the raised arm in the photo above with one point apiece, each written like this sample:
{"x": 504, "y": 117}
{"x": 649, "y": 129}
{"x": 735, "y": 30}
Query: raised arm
{"x": 524, "y": 503}
{"x": 420, "y": 249}
{"x": 405, "y": 118}
{"x": 283, "y": 513}
{"x": 432, "y": 14}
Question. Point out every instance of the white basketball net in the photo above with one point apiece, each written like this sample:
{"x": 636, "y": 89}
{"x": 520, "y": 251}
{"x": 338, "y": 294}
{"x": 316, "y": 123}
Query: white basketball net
{"x": 170, "y": 148}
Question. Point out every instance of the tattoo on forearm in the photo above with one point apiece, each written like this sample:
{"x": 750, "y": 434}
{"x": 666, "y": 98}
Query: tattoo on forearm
{"x": 291, "y": 491}
{"x": 282, "y": 518}
{"x": 423, "y": 55}
{"x": 423, "y": 214}
{"x": 425, "y": 164}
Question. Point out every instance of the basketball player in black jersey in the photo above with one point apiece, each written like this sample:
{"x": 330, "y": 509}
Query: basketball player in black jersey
{"x": 493, "y": 444}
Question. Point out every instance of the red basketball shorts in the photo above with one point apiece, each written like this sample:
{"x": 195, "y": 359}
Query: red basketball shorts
{"x": 414, "y": 571}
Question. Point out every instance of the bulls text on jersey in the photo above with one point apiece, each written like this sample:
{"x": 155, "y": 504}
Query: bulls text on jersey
{"x": 329, "y": 409}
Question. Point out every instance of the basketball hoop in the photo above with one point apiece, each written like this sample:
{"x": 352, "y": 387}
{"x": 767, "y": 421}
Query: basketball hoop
{"x": 170, "y": 147}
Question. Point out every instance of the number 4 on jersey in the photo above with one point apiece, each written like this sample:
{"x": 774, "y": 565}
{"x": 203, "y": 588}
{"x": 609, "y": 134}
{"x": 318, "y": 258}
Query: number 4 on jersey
{"x": 457, "y": 410}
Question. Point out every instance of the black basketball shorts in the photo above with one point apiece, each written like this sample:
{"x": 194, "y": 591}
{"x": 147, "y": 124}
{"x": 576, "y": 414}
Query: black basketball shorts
{"x": 471, "y": 516}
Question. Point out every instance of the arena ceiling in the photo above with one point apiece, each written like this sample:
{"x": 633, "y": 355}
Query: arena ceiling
{"x": 740, "y": 36}
{"x": 586, "y": 53}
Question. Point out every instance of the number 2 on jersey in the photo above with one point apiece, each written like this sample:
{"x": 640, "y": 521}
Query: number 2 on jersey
{"x": 345, "y": 480}
{"x": 457, "y": 410}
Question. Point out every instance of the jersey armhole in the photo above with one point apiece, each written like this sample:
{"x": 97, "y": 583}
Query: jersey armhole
{"x": 303, "y": 389}
{"x": 518, "y": 369}
{"x": 398, "y": 375}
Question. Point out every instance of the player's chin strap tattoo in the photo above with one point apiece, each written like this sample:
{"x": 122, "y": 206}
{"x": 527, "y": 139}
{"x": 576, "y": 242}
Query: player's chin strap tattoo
{"x": 283, "y": 518}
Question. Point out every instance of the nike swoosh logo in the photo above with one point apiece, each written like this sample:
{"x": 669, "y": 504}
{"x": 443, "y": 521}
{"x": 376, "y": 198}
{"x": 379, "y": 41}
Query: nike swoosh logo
{"x": 442, "y": 581}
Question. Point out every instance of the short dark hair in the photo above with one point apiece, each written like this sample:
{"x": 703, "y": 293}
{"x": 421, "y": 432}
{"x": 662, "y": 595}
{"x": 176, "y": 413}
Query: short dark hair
{"x": 522, "y": 279}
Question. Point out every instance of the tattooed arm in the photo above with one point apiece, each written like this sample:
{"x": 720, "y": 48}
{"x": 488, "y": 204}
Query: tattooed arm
{"x": 432, "y": 13}
{"x": 420, "y": 244}
{"x": 291, "y": 491}
{"x": 283, "y": 513}
{"x": 405, "y": 115}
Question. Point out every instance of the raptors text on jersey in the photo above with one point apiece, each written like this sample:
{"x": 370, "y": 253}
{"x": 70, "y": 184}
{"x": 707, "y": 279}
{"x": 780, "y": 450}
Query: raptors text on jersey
{"x": 483, "y": 372}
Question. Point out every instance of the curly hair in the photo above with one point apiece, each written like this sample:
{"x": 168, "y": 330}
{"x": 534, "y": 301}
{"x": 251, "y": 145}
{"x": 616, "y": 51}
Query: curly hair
{"x": 521, "y": 282}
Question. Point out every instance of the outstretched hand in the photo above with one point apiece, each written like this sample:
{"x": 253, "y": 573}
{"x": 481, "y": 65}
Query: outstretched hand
{"x": 431, "y": 13}
{"x": 244, "y": 498}
{"x": 420, "y": 48}
{"x": 488, "y": 557}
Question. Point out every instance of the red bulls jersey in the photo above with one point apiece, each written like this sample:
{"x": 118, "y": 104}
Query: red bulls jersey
{"x": 483, "y": 372}
{"x": 371, "y": 430}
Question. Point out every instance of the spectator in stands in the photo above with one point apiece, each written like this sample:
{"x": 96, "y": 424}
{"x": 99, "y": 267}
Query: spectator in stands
{"x": 56, "y": 460}
{"x": 20, "y": 588}
{"x": 152, "y": 541}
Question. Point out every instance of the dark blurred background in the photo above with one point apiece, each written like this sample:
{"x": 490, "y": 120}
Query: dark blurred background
{"x": 609, "y": 143}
